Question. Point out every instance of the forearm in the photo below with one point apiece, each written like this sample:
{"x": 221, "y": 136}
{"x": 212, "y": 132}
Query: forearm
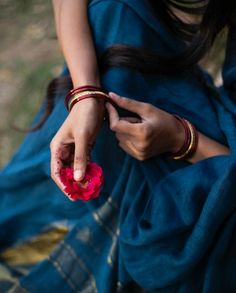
{"x": 207, "y": 148}
{"x": 76, "y": 41}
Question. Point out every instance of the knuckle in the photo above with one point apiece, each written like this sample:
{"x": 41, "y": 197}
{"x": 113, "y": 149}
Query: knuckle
{"x": 79, "y": 159}
{"x": 147, "y": 107}
{"x": 125, "y": 101}
{"x": 145, "y": 131}
{"x": 118, "y": 137}
{"x": 141, "y": 153}
{"x": 52, "y": 144}
{"x": 81, "y": 134}
{"x": 141, "y": 157}
{"x": 142, "y": 147}
{"x": 113, "y": 126}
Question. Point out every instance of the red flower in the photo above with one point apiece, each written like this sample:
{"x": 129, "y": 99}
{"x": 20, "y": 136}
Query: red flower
{"x": 84, "y": 190}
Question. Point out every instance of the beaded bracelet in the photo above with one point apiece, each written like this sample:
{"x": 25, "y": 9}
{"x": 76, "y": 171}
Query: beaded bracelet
{"x": 190, "y": 144}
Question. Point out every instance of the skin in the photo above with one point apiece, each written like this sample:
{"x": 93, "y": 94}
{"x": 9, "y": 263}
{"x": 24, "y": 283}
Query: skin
{"x": 156, "y": 131}
{"x": 72, "y": 144}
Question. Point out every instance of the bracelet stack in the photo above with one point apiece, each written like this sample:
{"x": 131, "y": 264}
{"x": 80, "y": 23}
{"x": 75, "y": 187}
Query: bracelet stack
{"x": 84, "y": 92}
{"x": 190, "y": 144}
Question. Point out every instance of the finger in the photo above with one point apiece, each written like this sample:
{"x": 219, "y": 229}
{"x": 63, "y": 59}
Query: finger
{"x": 132, "y": 119}
{"x": 113, "y": 114}
{"x": 128, "y": 141}
{"x": 124, "y": 138}
{"x": 128, "y": 144}
{"x": 117, "y": 124}
{"x": 128, "y": 104}
{"x": 56, "y": 165}
{"x": 80, "y": 159}
{"x": 67, "y": 154}
{"x": 127, "y": 147}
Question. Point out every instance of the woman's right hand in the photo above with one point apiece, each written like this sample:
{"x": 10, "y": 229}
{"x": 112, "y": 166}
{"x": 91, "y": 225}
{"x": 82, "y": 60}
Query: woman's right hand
{"x": 72, "y": 143}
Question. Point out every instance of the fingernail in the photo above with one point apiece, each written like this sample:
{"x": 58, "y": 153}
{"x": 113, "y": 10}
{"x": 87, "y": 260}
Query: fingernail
{"x": 113, "y": 95}
{"x": 78, "y": 174}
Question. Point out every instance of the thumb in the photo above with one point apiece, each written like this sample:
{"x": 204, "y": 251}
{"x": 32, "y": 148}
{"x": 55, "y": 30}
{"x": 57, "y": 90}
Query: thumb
{"x": 128, "y": 104}
{"x": 80, "y": 161}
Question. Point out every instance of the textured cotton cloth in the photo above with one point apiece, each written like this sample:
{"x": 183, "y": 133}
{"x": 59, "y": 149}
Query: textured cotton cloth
{"x": 167, "y": 226}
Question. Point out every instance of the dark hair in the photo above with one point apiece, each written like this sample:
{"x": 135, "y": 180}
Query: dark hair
{"x": 198, "y": 37}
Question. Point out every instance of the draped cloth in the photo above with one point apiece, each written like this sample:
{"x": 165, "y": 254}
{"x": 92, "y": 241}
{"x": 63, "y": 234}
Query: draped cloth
{"x": 168, "y": 226}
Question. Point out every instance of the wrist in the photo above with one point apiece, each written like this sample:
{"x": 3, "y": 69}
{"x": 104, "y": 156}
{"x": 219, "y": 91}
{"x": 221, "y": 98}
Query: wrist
{"x": 83, "y": 93}
{"x": 178, "y": 135}
{"x": 190, "y": 143}
{"x": 91, "y": 104}
{"x": 82, "y": 80}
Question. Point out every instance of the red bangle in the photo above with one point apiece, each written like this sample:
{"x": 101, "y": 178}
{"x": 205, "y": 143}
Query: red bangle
{"x": 80, "y": 89}
{"x": 96, "y": 96}
{"x": 84, "y": 87}
{"x": 187, "y": 137}
{"x": 195, "y": 141}
{"x": 190, "y": 144}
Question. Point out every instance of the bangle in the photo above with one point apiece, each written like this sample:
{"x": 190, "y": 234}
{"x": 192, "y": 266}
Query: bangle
{"x": 79, "y": 90}
{"x": 80, "y": 97}
{"x": 84, "y": 92}
{"x": 187, "y": 137}
{"x": 190, "y": 144}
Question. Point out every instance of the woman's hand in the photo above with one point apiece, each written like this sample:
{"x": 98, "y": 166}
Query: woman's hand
{"x": 72, "y": 143}
{"x": 156, "y": 131}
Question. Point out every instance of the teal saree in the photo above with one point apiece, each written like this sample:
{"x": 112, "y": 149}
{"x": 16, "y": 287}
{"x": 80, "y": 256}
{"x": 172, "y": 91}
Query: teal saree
{"x": 164, "y": 225}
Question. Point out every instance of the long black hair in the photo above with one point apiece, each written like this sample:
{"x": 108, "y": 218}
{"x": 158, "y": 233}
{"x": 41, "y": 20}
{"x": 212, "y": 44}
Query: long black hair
{"x": 198, "y": 39}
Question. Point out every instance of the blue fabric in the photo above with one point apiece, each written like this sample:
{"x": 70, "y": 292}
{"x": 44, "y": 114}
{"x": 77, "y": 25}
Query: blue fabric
{"x": 168, "y": 226}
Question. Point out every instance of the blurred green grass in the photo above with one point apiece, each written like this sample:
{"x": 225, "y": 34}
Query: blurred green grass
{"x": 29, "y": 59}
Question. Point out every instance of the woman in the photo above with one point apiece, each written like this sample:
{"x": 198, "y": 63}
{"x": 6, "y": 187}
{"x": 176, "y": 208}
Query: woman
{"x": 167, "y": 225}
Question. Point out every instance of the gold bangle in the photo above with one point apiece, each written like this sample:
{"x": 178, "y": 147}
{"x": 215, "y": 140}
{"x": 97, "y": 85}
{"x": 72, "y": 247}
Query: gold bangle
{"x": 86, "y": 93}
{"x": 71, "y": 101}
{"x": 192, "y": 142}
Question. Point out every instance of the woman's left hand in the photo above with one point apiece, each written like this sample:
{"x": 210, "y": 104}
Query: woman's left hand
{"x": 154, "y": 133}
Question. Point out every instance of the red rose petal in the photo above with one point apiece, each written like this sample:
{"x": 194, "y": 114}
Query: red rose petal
{"x": 86, "y": 190}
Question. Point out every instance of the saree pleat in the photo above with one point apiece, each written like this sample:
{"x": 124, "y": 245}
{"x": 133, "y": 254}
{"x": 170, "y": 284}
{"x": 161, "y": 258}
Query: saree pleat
{"x": 165, "y": 225}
